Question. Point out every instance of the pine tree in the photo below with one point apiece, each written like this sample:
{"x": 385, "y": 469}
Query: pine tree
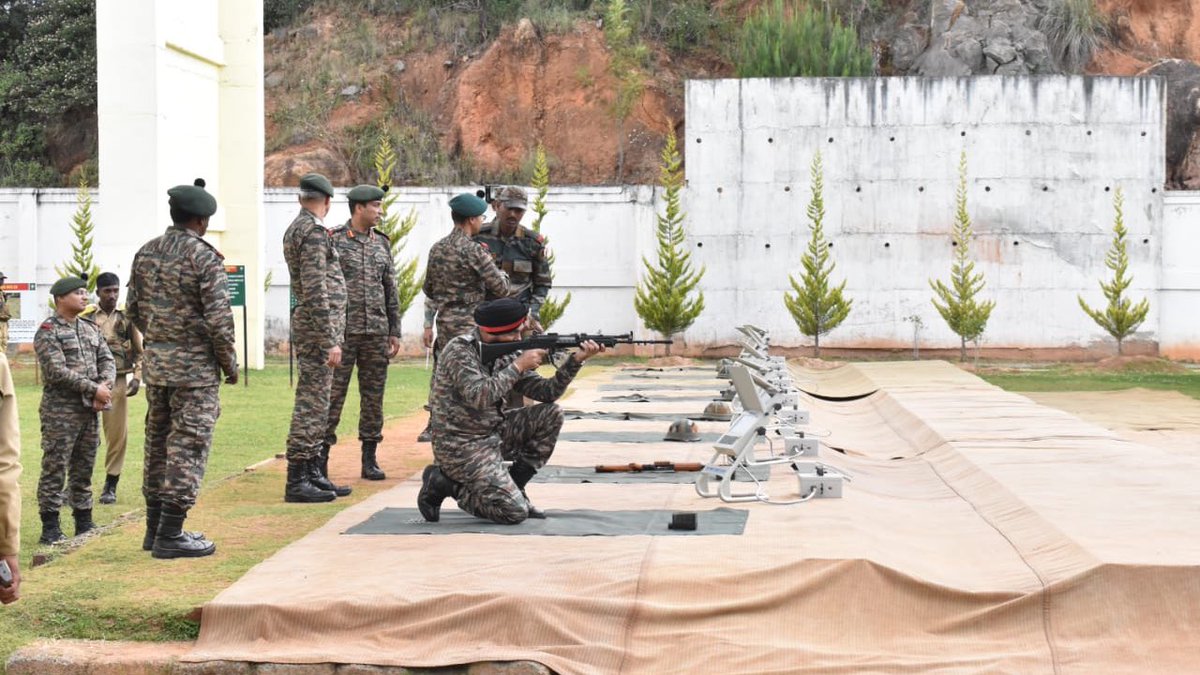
{"x": 553, "y": 308}
{"x": 661, "y": 298}
{"x": 816, "y": 307}
{"x": 408, "y": 284}
{"x": 1121, "y": 318}
{"x": 963, "y": 313}
{"x": 81, "y": 262}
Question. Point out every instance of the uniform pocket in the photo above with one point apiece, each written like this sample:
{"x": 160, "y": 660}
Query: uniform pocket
{"x": 522, "y": 267}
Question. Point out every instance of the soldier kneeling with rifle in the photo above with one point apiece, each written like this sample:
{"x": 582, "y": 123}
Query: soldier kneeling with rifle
{"x": 473, "y": 434}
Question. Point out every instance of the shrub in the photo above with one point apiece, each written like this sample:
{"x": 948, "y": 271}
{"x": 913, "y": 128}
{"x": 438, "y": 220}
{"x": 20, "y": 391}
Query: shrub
{"x": 782, "y": 41}
{"x": 1075, "y": 29}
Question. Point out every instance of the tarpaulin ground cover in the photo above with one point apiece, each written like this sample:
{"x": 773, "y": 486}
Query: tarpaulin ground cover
{"x": 981, "y": 533}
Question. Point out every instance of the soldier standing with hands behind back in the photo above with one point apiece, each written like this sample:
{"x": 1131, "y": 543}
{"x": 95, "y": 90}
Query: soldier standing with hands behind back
{"x": 459, "y": 274}
{"x": 318, "y": 330}
{"x": 179, "y": 299}
{"x": 77, "y": 379}
{"x": 125, "y": 343}
{"x": 372, "y": 323}
{"x": 519, "y": 251}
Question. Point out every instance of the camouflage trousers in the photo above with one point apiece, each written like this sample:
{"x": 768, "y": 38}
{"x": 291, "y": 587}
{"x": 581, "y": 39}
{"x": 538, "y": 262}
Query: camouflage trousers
{"x": 370, "y": 354}
{"x": 70, "y": 436}
{"x": 310, "y": 414}
{"x": 179, "y": 431}
{"x": 115, "y": 422}
{"x": 485, "y": 489}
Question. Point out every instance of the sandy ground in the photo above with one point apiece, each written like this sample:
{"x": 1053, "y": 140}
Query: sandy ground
{"x": 1167, "y": 420}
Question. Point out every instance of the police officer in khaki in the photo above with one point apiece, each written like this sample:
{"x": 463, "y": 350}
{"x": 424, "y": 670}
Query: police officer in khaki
{"x": 77, "y": 379}
{"x": 125, "y": 343}
{"x": 372, "y": 323}
{"x": 10, "y": 489}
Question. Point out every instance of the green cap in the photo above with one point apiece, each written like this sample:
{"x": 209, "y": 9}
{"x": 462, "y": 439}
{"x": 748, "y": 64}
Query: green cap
{"x": 317, "y": 183}
{"x": 468, "y": 205}
{"x": 365, "y": 193}
{"x": 192, "y": 199}
{"x": 67, "y": 285}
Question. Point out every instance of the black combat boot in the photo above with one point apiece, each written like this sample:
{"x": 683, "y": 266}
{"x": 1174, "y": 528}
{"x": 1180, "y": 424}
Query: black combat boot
{"x": 153, "y": 511}
{"x": 435, "y": 487}
{"x": 318, "y": 474}
{"x": 426, "y": 436}
{"x": 83, "y": 521}
{"x": 521, "y": 474}
{"x": 51, "y": 532}
{"x": 172, "y": 542}
{"x": 300, "y": 488}
{"x": 370, "y": 468}
{"x": 109, "y": 496}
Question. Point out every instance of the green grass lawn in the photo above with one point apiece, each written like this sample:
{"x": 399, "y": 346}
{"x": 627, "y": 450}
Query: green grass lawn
{"x": 109, "y": 588}
{"x": 1079, "y": 378}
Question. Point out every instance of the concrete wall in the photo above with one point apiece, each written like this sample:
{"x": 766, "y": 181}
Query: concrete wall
{"x": 180, "y": 96}
{"x": 1044, "y": 157}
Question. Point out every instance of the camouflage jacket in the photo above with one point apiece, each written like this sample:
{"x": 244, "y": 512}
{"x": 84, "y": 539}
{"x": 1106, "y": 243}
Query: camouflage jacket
{"x": 74, "y": 360}
{"x": 319, "y": 319}
{"x": 179, "y": 299}
{"x": 467, "y": 396}
{"x": 458, "y": 273}
{"x": 524, "y": 257}
{"x": 124, "y": 340}
{"x": 372, "y": 307}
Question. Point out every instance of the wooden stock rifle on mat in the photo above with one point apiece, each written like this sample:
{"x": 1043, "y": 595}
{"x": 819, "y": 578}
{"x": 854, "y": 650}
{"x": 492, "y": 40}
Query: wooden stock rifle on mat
{"x": 634, "y": 467}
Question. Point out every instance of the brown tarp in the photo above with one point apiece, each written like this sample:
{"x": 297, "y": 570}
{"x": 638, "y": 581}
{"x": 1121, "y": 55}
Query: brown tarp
{"x": 981, "y": 533}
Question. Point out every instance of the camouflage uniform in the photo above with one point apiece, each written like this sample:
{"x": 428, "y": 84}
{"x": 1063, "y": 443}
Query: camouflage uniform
{"x": 524, "y": 257}
{"x": 458, "y": 273}
{"x": 472, "y": 433}
{"x": 318, "y": 325}
{"x": 74, "y": 361}
{"x": 179, "y": 300}
{"x": 372, "y": 315}
{"x": 125, "y": 343}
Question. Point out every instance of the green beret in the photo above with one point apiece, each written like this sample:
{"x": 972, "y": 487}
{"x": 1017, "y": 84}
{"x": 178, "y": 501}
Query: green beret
{"x": 67, "y": 285}
{"x": 192, "y": 199}
{"x": 365, "y": 193}
{"x": 317, "y": 183}
{"x": 468, "y": 205}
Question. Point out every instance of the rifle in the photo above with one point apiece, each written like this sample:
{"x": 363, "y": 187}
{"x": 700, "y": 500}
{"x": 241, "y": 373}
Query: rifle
{"x": 553, "y": 342}
{"x": 634, "y": 467}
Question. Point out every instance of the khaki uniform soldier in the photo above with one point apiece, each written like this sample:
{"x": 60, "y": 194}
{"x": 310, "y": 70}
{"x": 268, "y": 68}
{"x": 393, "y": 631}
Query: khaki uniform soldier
{"x": 459, "y": 272}
{"x": 372, "y": 323}
{"x": 5, "y": 315}
{"x": 125, "y": 343}
{"x": 473, "y": 434}
{"x": 179, "y": 299}
{"x": 318, "y": 330}
{"x": 519, "y": 251}
{"x": 77, "y": 377}
{"x": 10, "y": 489}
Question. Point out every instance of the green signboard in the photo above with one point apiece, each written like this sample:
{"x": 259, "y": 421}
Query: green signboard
{"x": 235, "y": 276}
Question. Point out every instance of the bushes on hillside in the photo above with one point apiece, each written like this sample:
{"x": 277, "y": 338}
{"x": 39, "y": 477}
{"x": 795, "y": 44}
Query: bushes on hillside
{"x": 781, "y": 40}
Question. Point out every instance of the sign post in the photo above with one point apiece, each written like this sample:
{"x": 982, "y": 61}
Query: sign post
{"x": 235, "y": 276}
{"x": 24, "y": 322}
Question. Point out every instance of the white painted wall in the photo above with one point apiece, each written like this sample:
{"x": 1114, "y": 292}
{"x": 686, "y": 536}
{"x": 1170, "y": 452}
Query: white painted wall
{"x": 1043, "y": 156}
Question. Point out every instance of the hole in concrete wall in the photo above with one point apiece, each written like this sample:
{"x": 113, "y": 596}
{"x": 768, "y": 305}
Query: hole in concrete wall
{"x": 921, "y": 188}
{"x": 1016, "y": 243}
{"x": 1143, "y": 133}
{"x": 831, "y": 244}
{"x": 1153, "y": 190}
{"x": 1106, "y": 188}
{"x": 887, "y": 244}
{"x": 987, "y": 188}
{"x": 892, "y": 139}
{"x": 768, "y": 245}
{"x": 1089, "y": 132}
{"x": 1028, "y": 132}
{"x": 831, "y": 139}
{"x": 1045, "y": 188}
{"x": 770, "y": 140}
{"x": 720, "y": 190}
{"x": 858, "y": 188}
{"x": 953, "y": 243}
{"x": 787, "y": 188}
{"x": 697, "y": 140}
{"x": 1146, "y": 241}
{"x": 962, "y": 133}
{"x": 699, "y": 244}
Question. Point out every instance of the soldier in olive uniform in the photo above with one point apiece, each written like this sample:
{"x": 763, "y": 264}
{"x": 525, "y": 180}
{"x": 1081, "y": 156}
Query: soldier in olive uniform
{"x": 459, "y": 272}
{"x": 179, "y": 299}
{"x": 318, "y": 330}
{"x": 519, "y": 251}
{"x": 5, "y": 315}
{"x": 473, "y": 434}
{"x": 125, "y": 343}
{"x": 77, "y": 376}
{"x": 372, "y": 323}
